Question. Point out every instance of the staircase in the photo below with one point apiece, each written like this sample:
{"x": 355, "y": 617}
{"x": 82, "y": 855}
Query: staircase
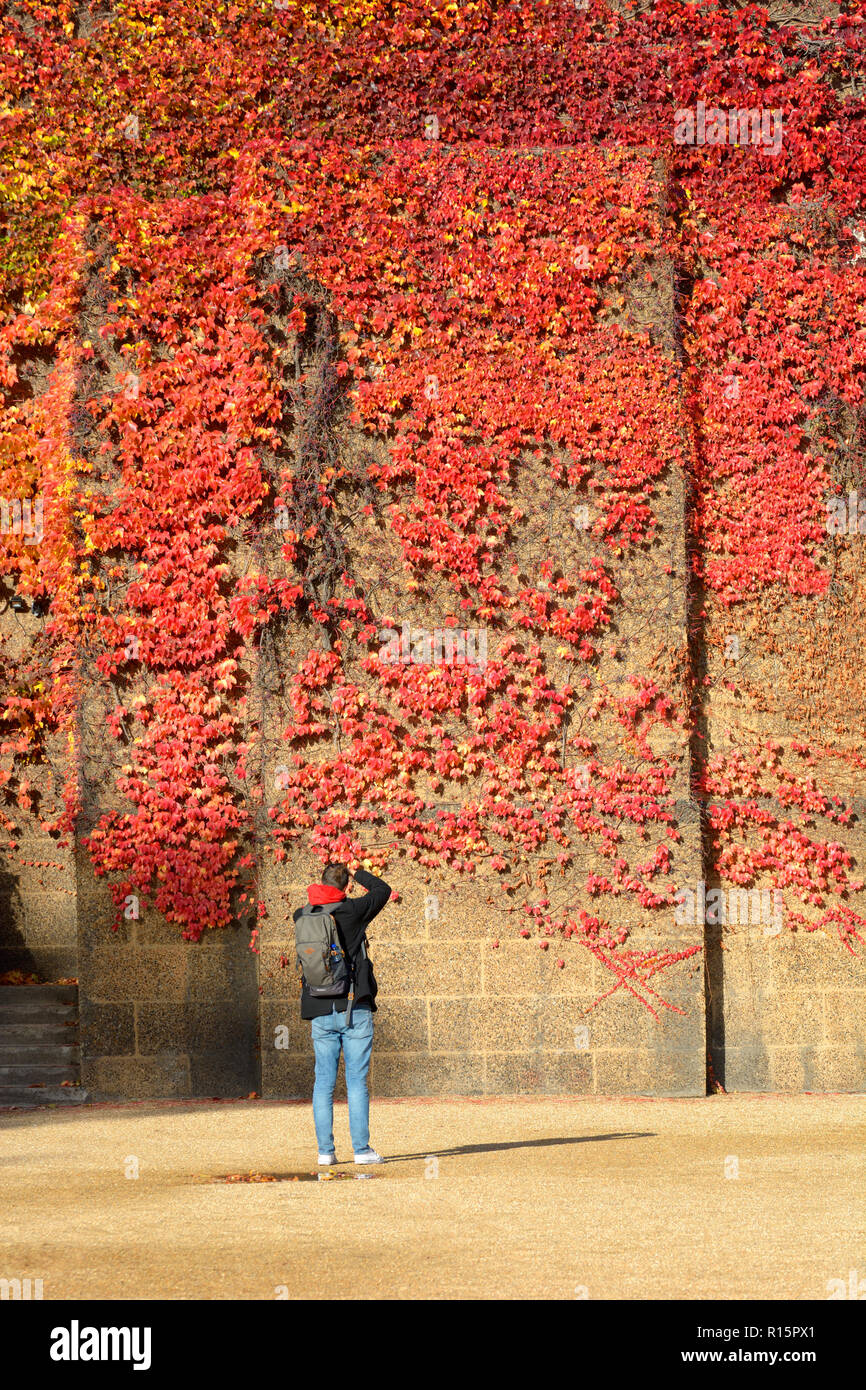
{"x": 39, "y": 1045}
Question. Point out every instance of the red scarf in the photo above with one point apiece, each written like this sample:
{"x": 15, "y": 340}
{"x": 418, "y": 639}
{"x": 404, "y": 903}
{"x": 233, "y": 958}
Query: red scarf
{"x": 323, "y": 893}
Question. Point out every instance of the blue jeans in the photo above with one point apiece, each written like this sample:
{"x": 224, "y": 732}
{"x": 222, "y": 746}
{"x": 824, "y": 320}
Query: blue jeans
{"x": 329, "y": 1035}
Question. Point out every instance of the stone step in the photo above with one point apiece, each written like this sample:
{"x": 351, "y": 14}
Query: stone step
{"x": 33, "y": 1073}
{"x": 25, "y": 1098}
{"x": 17, "y": 1054}
{"x": 53, "y": 1032}
{"x": 24, "y": 996}
{"x": 37, "y": 1013}
{"x": 39, "y": 1045}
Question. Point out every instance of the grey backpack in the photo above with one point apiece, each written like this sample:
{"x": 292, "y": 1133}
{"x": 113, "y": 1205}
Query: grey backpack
{"x": 325, "y": 968}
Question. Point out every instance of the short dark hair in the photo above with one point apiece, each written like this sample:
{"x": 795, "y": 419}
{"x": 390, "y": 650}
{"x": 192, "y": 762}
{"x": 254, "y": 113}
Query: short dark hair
{"x": 337, "y": 875}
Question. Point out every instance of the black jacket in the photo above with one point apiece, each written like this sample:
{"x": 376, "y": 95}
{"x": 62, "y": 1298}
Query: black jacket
{"x": 352, "y": 915}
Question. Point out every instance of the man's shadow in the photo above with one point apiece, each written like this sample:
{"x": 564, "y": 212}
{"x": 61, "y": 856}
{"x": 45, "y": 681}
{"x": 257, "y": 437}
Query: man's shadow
{"x": 518, "y": 1144}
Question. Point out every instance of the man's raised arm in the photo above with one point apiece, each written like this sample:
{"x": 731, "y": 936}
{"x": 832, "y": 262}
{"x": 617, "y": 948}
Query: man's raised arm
{"x": 377, "y": 894}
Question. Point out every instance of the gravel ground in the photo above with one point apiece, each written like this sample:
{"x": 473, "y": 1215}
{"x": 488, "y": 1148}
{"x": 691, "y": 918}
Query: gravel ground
{"x": 720, "y": 1198}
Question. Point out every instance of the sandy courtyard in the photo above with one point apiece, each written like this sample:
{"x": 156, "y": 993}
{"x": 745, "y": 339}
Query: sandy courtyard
{"x": 725, "y": 1197}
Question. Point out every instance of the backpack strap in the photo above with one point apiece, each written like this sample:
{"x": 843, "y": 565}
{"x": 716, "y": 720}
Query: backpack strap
{"x": 352, "y": 990}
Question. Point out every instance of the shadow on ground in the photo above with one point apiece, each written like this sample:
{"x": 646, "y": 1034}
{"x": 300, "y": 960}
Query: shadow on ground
{"x": 518, "y": 1144}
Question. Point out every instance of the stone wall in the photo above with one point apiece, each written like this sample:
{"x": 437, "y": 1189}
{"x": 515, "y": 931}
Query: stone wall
{"x": 787, "y": 1010}
{"x": 161, "y": 1016}
{"x": 466, "y": 1006}
{"x": 38, "y": 916}
{"x": 458, "y": 1016}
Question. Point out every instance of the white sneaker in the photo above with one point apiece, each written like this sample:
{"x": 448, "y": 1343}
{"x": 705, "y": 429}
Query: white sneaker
{"x": 368, "y": 1155}
{"x": 327, "y": 1160}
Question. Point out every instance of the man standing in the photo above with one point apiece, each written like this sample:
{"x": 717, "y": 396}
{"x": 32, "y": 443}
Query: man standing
{"x": 331, "y": 1030}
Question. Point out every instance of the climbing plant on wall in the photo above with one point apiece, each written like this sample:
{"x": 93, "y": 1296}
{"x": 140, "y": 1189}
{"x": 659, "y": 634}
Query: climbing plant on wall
{"x": 297, "y": 296}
